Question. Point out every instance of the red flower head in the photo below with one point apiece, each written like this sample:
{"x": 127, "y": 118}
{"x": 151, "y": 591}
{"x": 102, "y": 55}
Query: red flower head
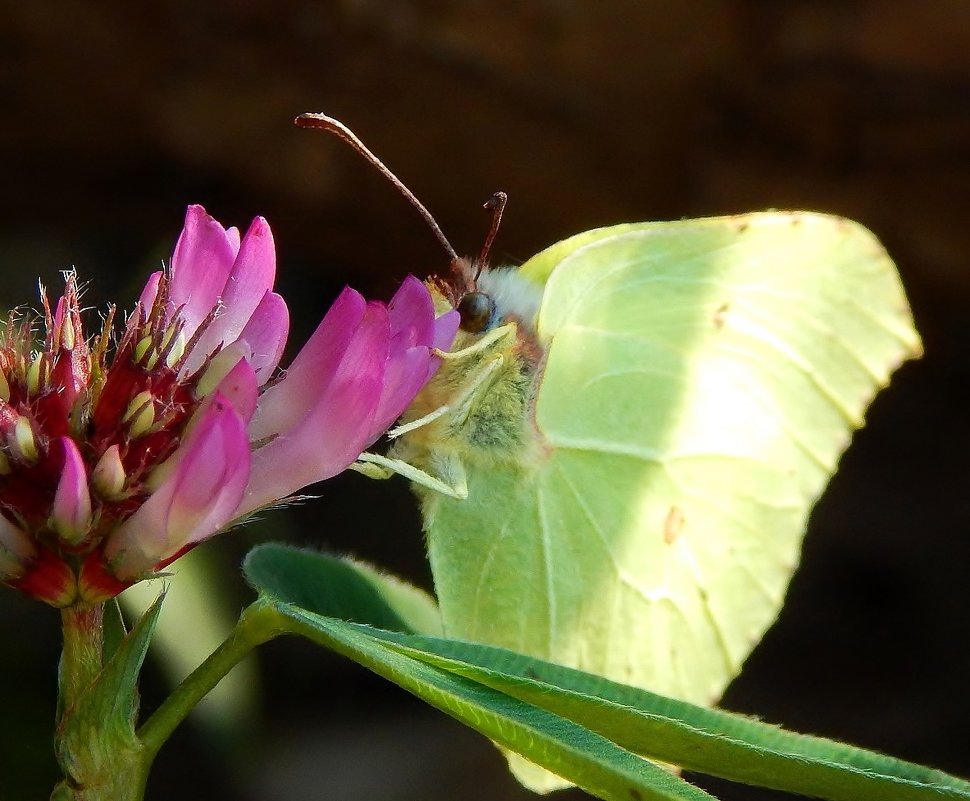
{"x": 114, "y": 463}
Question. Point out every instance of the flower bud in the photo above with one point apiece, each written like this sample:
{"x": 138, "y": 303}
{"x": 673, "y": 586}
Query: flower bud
{"x": 71, "y": 513}
{"x": 140, "y": 414}
{"x": 173, "y": 345}
{"x": 142, "y": 348}
{"x": 22, "y": 440}
{"x": 67, "y": 331}
{"x": 108, "y": 476}
{"x": 35, "y": 374}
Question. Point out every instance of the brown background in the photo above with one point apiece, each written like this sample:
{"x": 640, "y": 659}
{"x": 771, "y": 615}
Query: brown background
{"x": 116, "y": 115}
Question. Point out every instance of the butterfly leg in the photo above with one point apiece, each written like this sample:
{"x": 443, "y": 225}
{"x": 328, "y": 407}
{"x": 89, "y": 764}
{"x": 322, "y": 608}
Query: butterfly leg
{"x": 486, "y": 341}
{"x": 374, "y": 465}
{"x": 477, "y": 384}
{"x": 460, "y": 410}
{"x": 451, "y": 478}
{"x": 480, "y": 380}
{"x": 397, "y": 431}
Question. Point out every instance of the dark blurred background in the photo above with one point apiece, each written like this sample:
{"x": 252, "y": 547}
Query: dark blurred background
{"x": 116, "y": 115}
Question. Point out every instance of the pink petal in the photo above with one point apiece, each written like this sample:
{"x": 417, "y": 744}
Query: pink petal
{"x": 194, "y": 501}
{"x": 404, "y": 376}
{"x": 252, "y": 276}
{"x": 266, "y": 334}
{"x": 232, "y": 236}
{"x": 284, "y": 405}
{"x": 331, "y": 434}
{"x": 203, "y": 258}
{"x": 71, "y": 513}
{"x": 445, "y": 328}
{"x": 240, "y": 388}
{"x": 411, "y": 312}
{"x": 147, "y": 298}
{"x": 253, "y": 273}
{"x": 414, "y": 330}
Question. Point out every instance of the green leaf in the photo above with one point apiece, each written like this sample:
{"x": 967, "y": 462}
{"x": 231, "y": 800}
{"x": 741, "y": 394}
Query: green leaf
{"x": 114, "y": 627}
{"x": 339, "y": 588}
{"x": 636, "y": 721}
{"x": 416, "y": 608}
{"x": 695, "y": 738}
{"x": 585, "y": 758}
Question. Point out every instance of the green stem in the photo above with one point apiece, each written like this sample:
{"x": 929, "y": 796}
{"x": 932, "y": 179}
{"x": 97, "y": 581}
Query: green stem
{"x": 94, "y": 747}
{"x": 258, "y": 624}
{"x": 101, "y": 754}
{"x": 83, "y": 652}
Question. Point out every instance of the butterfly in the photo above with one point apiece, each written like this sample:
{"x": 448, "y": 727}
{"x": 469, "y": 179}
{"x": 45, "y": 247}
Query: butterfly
{"x": 618, "y": 456}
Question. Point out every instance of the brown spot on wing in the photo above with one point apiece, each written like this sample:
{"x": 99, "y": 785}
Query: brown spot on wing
{"x": 720, "y": 314}
{"x": 673, "y": 524}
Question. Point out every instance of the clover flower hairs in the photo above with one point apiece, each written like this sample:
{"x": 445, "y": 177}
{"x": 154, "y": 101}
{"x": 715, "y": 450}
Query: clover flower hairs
{"x": 117, "y": 458}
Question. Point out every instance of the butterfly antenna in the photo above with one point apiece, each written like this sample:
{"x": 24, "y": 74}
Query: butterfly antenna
{"x": 495, "y": 204}
{"x": 337, "y": 128}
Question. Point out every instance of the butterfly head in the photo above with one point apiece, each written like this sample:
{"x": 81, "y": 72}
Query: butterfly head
{"x": 469, "y": 288}
{"x": 484, "y": 297}
{"x": 477, "y": 311}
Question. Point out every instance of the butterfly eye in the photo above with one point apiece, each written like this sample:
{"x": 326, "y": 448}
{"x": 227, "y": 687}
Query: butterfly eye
{"x": 476, "y": 310}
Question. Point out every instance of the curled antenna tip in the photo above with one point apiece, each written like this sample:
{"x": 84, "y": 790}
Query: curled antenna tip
{"x": 316, "y": 120}
{"x": 496, "y": 201}
{"x": 325, "y": 123}
{"x": 496, "y": 205}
